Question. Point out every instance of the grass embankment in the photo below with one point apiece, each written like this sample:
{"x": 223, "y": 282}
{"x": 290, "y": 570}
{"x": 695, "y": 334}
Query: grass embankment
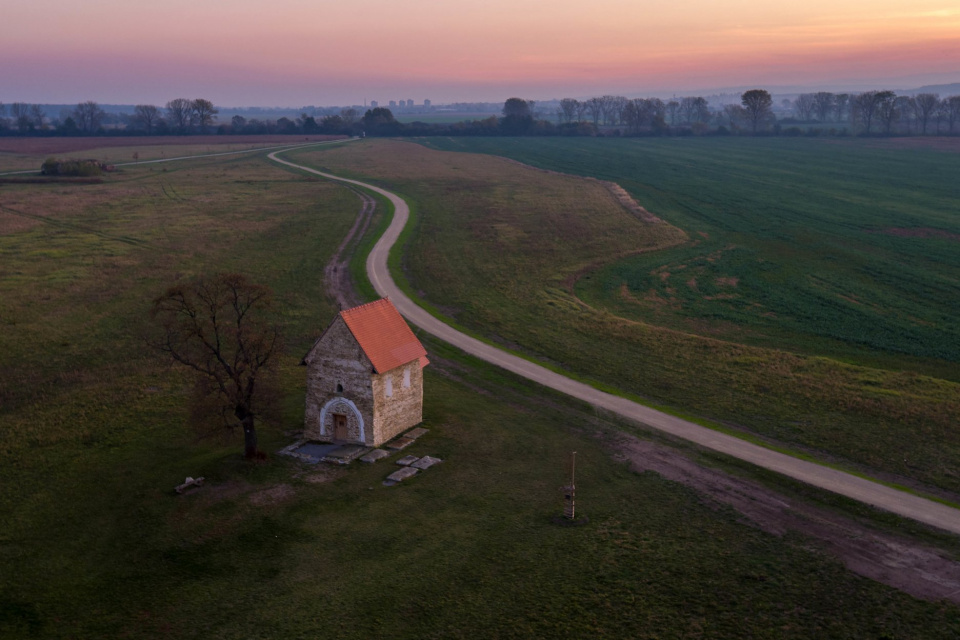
{"x": 93, "y": 542}
{"x": 496, "y": 247}
{"x": 846, "y": 249}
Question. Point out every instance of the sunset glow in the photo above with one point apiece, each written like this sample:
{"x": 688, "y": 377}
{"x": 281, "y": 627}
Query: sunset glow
{"x": 293, "y": 52}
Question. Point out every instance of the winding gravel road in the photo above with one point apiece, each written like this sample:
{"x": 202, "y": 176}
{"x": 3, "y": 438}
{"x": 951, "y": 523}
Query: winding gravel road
{"x": 845, "y": 484}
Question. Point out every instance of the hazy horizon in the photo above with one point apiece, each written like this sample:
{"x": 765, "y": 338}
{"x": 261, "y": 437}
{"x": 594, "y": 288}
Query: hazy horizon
{"x": 300, "y": 53}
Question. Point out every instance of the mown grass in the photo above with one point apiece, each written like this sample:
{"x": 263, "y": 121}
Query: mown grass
{"x": 94, "y": 543}
{"x": 489, "y": 253}
{"x": 466, "y": 549}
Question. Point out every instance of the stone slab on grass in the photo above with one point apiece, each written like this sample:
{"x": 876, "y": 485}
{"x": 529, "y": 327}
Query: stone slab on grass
{"x": 407, "y": 461}
{"x": 400, "y": 443}
{"x": 426, "y": 462}
{"x": 413, "y": 434}
{"x": 400, "y": 475}
{"x": 373, "y": 456}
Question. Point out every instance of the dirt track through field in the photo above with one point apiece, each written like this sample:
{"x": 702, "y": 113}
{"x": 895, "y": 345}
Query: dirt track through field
{"x": 867, "y": 491}
{"x": 920, "y": 570}
{"x": 336, "y": 274}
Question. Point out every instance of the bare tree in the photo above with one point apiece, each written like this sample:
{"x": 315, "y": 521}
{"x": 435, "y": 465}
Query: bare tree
{"x": 685, "y": 109}
{"x": 178, "y": 113}
{"x": 658, "y": 110}
{"x": 842, "y": 104}
{"x": 951, "y": 108}
{"x": 349, "y": 115}
{"x": 634, "y": 115}
{"x": 581, "y": 110}
{"x": 889, "y": 111}
{"x": 906, "y": 108}
{"x": 88, "y": 116}
{"x": 926, "y": 106}
{"x": 617, "y": 106}
{"x": 21, "y": 115}
{"x": 595, "y": 107}
{"x": 699, "y": 110}
{"x": 734, "y": 114}
{"x": 804, "y": 105}
{"x": 214, "y": 327}
{"x": 694, "y": 110}
{"x": 757, "y": 103}
{"x": 864, "y": 107}
{"x": 37, "y": 116}
{"x": 823, "y": 104}
{"x": 568, "y": 107}
{"x": 673, "y": 109}
{"x": 147, "y": 116}
{"x": 202, "y": 114}
{"x": 638, "y": 113}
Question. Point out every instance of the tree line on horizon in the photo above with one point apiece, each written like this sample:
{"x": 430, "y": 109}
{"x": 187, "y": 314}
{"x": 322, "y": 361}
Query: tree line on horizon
{"x": 867, "y": 113}
{"x": 864, "y": 112}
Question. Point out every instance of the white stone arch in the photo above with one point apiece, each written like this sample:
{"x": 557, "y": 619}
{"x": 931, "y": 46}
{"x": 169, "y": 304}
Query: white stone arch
{"x": 345, "y": 405}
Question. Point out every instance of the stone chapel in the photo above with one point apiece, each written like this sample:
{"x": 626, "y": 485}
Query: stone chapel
{"x": 364, "y": 377}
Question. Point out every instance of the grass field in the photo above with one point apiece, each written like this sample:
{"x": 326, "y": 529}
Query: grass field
{"x": 20, "y": 154}
{"x": 442, "y": 118}
{"x": 841, "y": 249}
{"x": 497, "y": 246}
{"x": 94, "y": 543}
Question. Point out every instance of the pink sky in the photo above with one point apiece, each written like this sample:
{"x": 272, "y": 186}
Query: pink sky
{"x": 299, "y": 52}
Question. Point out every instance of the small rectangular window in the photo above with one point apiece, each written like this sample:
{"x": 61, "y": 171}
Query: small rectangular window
{"x": 389, "y": 382}
{"x": 406, "y": 378}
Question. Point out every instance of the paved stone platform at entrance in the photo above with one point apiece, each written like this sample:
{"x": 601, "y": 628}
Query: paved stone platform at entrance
{"x": 309, "y": 452}
{"x": 345, "y": 453}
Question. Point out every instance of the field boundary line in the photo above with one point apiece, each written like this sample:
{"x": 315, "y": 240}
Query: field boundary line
{"x": 840, "y": 482}
{"x": 282, "y": 147}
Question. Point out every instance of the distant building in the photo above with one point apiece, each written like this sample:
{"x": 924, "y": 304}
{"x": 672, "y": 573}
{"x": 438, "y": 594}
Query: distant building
{"x": 364, "y": 377}
{"x": 410, "y": 104}
{"x": 426, "y": 104}
{"x": 374, "y": 104}
{"x": 393, "y": 104}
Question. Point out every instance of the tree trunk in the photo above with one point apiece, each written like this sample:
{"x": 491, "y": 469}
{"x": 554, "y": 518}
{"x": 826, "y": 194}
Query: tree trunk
{"x": 249, "y": 433}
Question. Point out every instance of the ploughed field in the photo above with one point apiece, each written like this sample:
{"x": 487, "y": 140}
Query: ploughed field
{"x": 807, "y": 294}
{"x": 94, "y": 436}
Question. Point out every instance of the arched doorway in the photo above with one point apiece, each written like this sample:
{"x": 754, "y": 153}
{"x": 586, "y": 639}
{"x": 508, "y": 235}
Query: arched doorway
{"x": 340, "y": 420}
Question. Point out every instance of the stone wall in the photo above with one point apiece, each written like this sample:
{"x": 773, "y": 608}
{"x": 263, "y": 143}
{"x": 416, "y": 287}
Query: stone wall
{"x": 337, "y": 359}
{"x": 398, "y": 401}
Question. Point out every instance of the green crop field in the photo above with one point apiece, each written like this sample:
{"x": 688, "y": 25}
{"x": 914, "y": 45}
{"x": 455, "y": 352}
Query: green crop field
{"x": 95, "y": 544}
{"x": 502, "y": 250}
{"x": 839, "y": 249}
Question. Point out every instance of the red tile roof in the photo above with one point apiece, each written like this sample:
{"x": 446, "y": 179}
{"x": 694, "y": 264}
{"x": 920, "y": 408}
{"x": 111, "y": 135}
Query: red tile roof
{"x": 384, "y": 335}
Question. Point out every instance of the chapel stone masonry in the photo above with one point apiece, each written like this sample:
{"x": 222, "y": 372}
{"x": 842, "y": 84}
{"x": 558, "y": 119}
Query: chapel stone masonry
{"x": 364, "y": 377}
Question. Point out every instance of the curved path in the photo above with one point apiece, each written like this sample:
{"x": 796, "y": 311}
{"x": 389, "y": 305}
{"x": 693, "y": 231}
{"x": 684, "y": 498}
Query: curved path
{"x": 281, "y": 147}
{"x": 845, "y": 484}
